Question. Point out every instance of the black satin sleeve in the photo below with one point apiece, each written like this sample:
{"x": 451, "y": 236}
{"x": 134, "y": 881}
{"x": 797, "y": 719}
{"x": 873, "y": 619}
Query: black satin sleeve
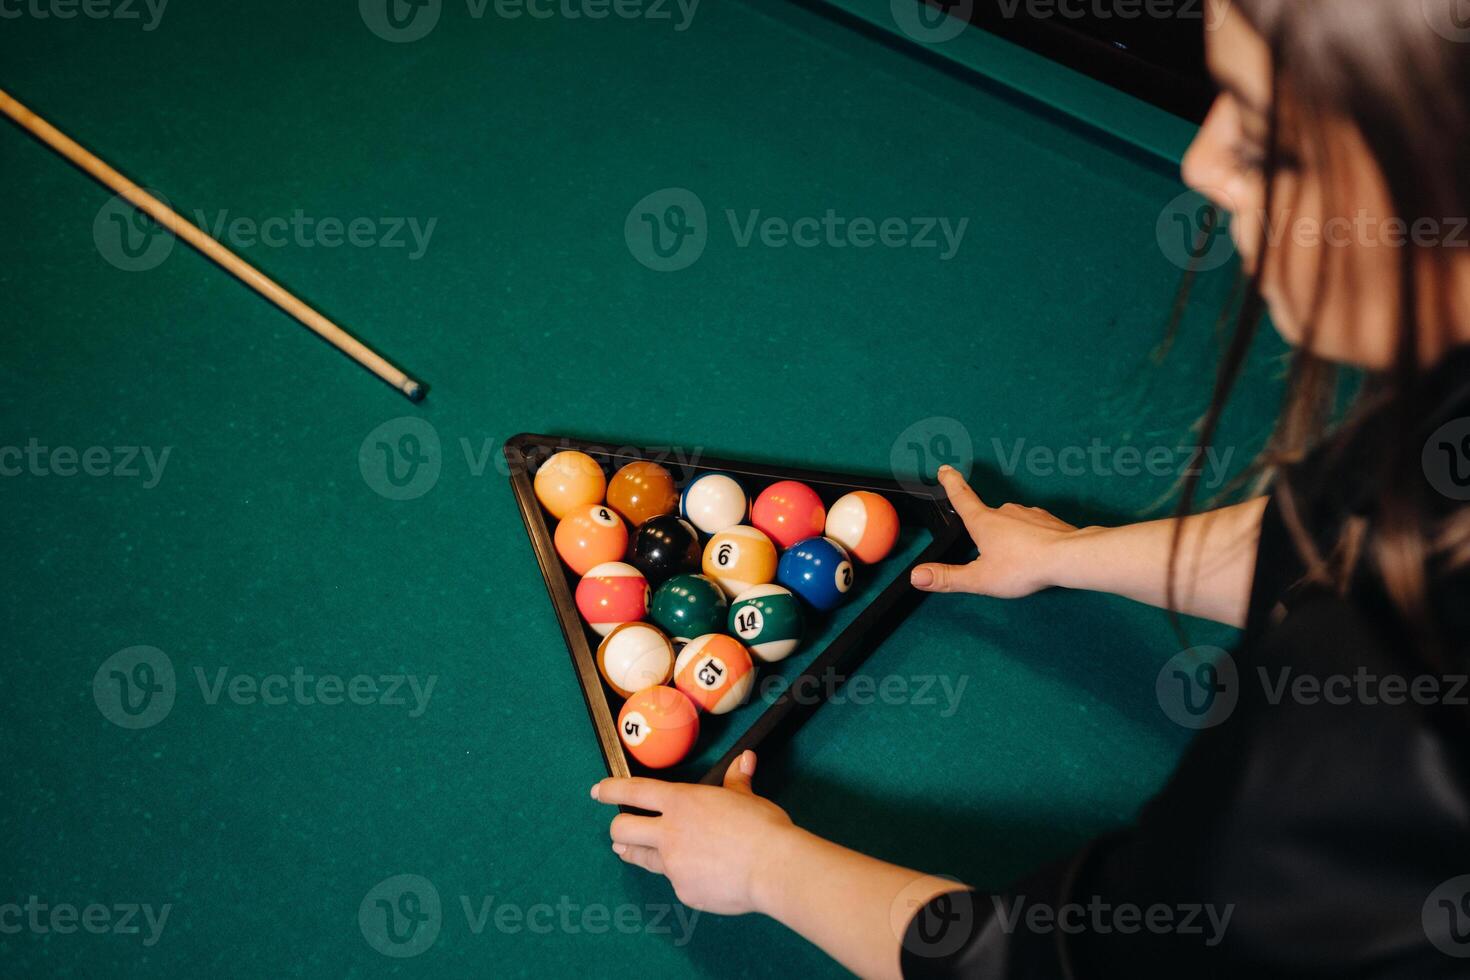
{"x": 1295, "y": 839}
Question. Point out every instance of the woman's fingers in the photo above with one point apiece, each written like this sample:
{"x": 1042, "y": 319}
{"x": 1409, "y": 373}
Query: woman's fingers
{"x": 966, "y": 502}
{"x": 646, "y": 858}
{"x": 645, "y": 794}
{"x": 943, "y": 578}
{"x": 738, "y": 776}
{"x": 640, "y": 831}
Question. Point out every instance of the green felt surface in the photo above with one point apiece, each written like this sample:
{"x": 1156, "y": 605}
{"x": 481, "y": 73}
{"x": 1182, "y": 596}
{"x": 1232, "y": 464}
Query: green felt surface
{"x": 264, "y": 547}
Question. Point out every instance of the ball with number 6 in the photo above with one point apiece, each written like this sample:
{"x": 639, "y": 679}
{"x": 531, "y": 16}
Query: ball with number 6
{"x": 767, "y": 619}
{"x": 738, "y": 558}
{"x": 716, "y": 672}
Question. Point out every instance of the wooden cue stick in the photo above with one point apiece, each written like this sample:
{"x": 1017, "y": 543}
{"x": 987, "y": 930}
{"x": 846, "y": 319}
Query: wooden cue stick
{"x": 211, "y": 247}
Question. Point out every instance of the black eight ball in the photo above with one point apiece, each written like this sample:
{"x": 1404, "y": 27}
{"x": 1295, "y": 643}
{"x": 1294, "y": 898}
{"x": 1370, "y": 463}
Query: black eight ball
{"x": 665, "y": 546}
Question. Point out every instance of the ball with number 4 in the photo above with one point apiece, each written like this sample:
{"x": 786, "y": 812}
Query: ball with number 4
{"x": 658, "y": 725}
{"x": 819, "y": 571}
{"x": 767, "y": 619}
{"x": 716, "y": 672}
{"x": 738, "y": 558}
{"x": 589, "y": 536}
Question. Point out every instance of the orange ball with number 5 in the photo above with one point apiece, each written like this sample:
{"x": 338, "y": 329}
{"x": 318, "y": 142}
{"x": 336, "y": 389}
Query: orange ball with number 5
{"x": 658, "y": 726}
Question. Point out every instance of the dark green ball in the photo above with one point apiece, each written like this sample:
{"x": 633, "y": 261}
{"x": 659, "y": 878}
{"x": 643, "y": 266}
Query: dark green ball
{"x": 687, "y": 606}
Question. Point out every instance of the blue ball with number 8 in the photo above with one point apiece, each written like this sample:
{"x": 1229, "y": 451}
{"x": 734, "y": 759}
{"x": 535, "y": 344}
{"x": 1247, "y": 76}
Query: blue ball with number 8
{"x": 767, "y": 619}
{"x": 818, "y": 570}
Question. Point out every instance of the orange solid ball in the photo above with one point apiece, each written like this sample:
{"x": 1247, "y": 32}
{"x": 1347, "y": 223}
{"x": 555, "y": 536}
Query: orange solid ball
{"x": 589, "y": 536}
{"x": 658, "y": 726}
{"x": 642, "y": 490}
{"x": 569, "y": 480}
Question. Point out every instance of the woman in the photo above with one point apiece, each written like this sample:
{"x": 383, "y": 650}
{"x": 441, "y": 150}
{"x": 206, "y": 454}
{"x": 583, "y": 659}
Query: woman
{"x": 1309, "y": 838}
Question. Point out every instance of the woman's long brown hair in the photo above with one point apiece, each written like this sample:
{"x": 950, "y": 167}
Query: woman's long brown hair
{"x": 1381, "y": 66}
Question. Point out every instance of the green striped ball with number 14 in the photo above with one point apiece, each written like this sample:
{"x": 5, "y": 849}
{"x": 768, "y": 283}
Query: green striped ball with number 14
{"x": 767, "y": 619}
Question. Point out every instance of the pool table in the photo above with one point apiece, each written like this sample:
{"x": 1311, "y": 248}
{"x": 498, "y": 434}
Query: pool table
{"x": 909, "y": 249}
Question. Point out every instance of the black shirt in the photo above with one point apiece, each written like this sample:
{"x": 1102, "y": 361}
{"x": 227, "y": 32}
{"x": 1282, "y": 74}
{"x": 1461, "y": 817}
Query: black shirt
{"x": 1318, "y": 827}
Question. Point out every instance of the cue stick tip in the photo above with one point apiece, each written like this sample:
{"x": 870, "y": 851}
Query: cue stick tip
{"x": 414, "y": 391}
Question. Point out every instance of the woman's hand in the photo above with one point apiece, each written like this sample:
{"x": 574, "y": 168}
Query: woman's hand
{"x": 711, "y": 842}
{"x": 1018, "y": 547}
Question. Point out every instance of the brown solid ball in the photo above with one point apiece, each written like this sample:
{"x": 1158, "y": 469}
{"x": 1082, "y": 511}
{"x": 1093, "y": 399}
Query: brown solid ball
{"x": 642, "y": 490}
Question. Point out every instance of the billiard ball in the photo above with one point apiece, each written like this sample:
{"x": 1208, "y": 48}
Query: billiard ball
{"x": 767, "y": 619}
{"x": 659, "y": 726}
{"x": 641, "y": 490}
{"x": 634, "y": 656}
{"x": 713, "y": 502}
{"x": 664, "y": 546}
{"x": 716, "y": 672}
{"x": 739, "y": 557}
{"x": 612, "y": 594}
{"x": 590, "y": 535}
{"x": 865, "y": 524}
{"x": 788, "y": 512}
{"x": 818, "y": 570}
{"x": 568, "y": 480}
{"x": 687, "y": 606}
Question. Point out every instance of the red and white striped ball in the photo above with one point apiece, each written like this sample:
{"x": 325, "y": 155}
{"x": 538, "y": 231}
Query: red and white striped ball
{"x": 864, "y": 523}
{"x": 612, "y": 594}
